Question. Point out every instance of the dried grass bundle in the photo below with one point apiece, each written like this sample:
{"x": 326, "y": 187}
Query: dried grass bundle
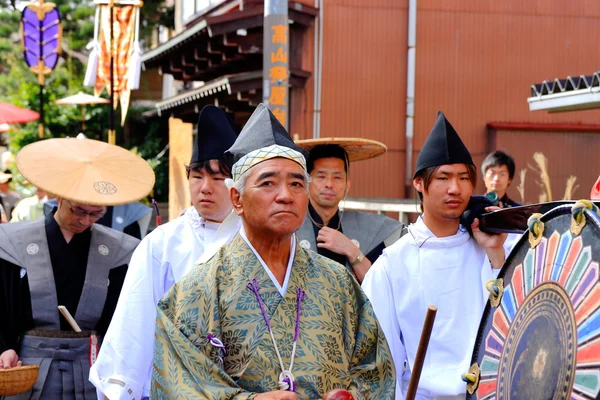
{"x": 542, "y": 163}
{"x": 521, "y": 185}
{"x": 570, "y": 188}
{"x": 544, "y": 182}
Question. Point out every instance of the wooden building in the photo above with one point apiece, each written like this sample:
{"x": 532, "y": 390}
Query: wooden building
{"x": 349, "y": 62}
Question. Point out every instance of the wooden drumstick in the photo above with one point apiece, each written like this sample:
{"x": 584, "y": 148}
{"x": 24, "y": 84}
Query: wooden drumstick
{"x": 421, "y": 352}
{"x": 63, "y": 310}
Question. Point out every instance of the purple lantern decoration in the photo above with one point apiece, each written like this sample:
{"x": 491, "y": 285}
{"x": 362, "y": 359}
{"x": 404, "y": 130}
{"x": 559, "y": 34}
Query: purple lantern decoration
{"x": 41, "y": 33}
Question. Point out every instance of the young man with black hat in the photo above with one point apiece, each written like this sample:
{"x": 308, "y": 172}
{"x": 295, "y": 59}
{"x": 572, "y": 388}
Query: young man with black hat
{"x": 66, "y": 260}
{"x": 265, "y": 318}
{"x": 163, "y": 257}
{"x": 352, "y": 238}
{"x": 436, "y": 263}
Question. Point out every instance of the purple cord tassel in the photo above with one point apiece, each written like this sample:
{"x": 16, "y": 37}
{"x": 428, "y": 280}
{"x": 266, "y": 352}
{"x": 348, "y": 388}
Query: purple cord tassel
{"x": 300, "y": 294}
{"x": 253, "y": 285}
{"x": 286, "y": 379}
{"x": 218, "y": 344}
{"x": 291, "y": 383}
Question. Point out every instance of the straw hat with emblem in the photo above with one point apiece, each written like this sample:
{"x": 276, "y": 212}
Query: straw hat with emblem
{"x": 358, "y": 149}
{"x": 86, "y": 171}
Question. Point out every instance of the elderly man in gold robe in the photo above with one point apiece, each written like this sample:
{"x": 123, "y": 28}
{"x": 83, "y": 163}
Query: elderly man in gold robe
{"x": 265, "y": 318}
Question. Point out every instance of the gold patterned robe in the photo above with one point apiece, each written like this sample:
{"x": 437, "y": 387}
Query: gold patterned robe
{"x": 340, "y": 343}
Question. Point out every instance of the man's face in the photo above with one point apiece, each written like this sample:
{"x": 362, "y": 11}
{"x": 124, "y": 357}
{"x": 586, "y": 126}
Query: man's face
{"x": 329, "y": 182}
{"x": 76, "y": 217}
{"x": 497, "y": 179}
{"x": 209, "y": 194}
{"x": 275, "y": 198}
{"x": 449, "y": 191}
{"x": 40, "y": 193}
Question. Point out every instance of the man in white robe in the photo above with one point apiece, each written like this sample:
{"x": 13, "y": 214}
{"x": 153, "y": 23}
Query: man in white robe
{"x": 166, "y": 255}
{"x": 438, "y": 262}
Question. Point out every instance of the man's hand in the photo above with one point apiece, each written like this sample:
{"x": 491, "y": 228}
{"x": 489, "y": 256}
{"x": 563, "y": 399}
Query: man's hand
{"x": 9, "y": 359}
{"x": 278, "y": 395}
{"x": 492, "y": 244}
{"x": 337, "y": 242}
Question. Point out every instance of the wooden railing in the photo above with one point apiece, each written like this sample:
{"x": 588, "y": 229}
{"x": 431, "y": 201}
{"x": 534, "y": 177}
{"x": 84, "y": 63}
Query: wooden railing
{"x": 403, "y": 207}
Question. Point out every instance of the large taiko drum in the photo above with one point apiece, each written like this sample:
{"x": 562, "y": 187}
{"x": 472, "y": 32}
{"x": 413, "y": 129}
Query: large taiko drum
{"x": 539, "y": 337}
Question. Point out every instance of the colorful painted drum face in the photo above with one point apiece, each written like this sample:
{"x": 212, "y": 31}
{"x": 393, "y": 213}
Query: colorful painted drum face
{"x": 543, "y": 340}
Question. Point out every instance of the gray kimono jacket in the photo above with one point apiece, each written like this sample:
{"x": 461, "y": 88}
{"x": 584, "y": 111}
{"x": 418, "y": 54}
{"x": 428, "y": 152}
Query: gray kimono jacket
{"x": 29, "y": 313}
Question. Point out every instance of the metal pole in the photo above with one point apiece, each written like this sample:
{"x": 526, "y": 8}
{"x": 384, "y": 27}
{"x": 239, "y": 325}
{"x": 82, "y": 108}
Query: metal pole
{"x": 41, "y": 78}
{"x": 41, "y": 124}
{"x": 112, "y": 136}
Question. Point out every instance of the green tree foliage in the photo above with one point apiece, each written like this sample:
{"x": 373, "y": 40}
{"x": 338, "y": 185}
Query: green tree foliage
{"x": 19, "y": 86}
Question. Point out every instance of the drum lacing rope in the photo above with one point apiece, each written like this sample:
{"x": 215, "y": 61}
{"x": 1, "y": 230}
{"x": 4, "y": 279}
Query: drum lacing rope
{"x": 216, "y": 342}
{"x": 286, "y": 379}
{"x": 579, "y": 207}
{"x": 492, "y": 287}
{"x": 533, "y": 223}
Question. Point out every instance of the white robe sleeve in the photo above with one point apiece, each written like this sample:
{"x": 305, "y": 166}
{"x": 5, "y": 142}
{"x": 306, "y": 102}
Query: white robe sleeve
{"x": 378, "y": 288}
{"x": 124, "y": 364}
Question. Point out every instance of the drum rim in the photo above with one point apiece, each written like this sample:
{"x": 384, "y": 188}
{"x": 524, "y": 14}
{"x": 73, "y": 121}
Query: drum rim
{"x": 557, "y": 211}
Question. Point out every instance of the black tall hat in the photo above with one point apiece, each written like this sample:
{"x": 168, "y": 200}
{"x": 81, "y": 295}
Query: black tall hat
{"x": 442, "y": 147}
{"x": 262, "y": 130}
{"x": 215, "y": 135}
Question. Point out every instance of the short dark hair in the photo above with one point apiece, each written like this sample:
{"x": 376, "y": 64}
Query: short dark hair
{"x": 499, "y": 158}
{"x": 427, "y": 175}
{"x": 224, "y": 168}
{"x": 327, "y": 151}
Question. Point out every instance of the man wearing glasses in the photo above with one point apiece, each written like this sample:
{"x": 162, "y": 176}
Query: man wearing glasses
{"x": 66, "y": 260}
{"x": 498, "y": 170}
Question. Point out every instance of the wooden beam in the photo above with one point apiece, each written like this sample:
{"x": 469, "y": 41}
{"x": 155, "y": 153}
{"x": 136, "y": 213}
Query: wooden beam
{"x": 173, "y": 67}
{"x": 199, "y": 55}
{"x": 185, "y": 62}
{"x": 230, "y": 39}
{"x": 190, "y": 60}
{"x": 248, "y": 19}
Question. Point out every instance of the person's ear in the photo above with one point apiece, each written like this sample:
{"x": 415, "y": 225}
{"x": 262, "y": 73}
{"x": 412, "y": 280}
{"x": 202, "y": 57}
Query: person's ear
{"x": 236, "y": 201}
{"x": 418, "y": 184}
{"x": 348, "y": 185}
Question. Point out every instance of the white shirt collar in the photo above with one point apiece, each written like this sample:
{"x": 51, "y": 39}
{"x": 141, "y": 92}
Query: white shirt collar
{"x": 206, "y": 228}
{"x": 422, "y": 237}
{"x": 282, "y": 289}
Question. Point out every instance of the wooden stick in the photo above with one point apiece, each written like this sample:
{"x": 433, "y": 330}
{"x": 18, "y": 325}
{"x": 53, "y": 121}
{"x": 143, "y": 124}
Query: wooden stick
{"x": 63, "y": 310}
{"x": 421, "y": 352}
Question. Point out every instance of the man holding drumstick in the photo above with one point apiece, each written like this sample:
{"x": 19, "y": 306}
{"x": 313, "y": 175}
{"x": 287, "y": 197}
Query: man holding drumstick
{"x": 438, "y": 262}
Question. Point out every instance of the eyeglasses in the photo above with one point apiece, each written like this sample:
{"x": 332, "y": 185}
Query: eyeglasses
{"x": 491, "y": 174}
{"x": 79, "y": 213}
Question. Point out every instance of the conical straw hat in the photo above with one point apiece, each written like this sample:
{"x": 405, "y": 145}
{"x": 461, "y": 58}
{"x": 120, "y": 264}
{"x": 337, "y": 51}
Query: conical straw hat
{"x": 4, "y": 177}
{"x": 82, "y": 98}
{"x": 358, "y": 149}
{"x": 86, "y": 171}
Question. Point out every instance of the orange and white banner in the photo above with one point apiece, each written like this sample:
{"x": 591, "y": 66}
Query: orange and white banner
{"x": 123, "y": 36}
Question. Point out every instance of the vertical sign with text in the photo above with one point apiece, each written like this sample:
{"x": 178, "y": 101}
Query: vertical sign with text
{"x": 276, "y": 69}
